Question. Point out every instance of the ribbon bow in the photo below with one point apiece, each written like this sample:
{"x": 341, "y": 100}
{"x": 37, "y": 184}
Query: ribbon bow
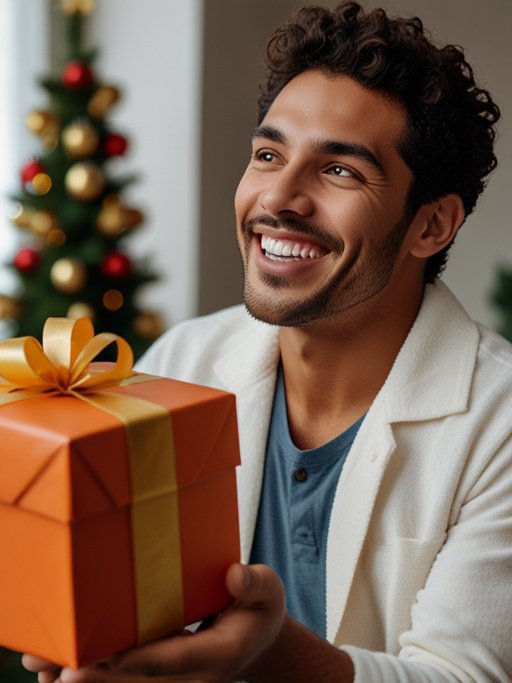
{"x": 62, "y": 363}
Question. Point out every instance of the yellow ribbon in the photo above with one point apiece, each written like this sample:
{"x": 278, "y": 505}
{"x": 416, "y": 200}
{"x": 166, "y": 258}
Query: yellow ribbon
{"x": 62, "y": 364}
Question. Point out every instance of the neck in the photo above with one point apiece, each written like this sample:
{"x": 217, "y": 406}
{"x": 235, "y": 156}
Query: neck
{"x": 333, "y": 369}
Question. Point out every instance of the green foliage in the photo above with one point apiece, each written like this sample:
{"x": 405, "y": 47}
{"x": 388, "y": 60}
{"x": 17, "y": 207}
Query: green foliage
{"x": 11, "y": 670}
{"x": 502, "y": 299}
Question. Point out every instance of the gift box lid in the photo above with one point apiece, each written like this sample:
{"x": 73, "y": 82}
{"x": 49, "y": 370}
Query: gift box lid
{"x": 67, "y": 460}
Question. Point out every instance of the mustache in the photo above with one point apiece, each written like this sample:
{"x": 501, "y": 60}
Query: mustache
{"x": 316, "y": 232}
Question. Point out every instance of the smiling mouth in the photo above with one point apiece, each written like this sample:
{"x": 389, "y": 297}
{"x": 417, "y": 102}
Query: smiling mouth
{"x": 290, "y": 250}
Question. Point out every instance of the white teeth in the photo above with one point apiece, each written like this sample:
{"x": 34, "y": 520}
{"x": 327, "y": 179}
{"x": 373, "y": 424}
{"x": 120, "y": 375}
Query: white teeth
{"x": 286, "y": 248}
{"x": 277, "y": 248}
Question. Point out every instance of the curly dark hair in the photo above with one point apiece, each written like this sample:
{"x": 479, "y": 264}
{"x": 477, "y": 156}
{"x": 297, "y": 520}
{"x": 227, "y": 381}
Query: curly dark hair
{"x": 448, "y": 144}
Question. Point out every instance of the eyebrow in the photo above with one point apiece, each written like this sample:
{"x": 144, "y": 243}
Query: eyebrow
{"x": 269, "y": 133}
{"x": 325, "y": 146}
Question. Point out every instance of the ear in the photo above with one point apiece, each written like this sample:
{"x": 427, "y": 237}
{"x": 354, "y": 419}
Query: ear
{"x": 437, "y": 224}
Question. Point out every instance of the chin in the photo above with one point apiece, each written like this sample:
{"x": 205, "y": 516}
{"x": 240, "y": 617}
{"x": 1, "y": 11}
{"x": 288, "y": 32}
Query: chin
{"x": 273, "y": 310}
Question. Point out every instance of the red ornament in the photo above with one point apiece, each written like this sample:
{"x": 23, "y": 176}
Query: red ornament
{"x": 30, "y": 170}
{"x": 116, "y": 265}
{"x": 115, "y": 145}
{"x": 27, "y": 260}
{"x": 77, "y": 75}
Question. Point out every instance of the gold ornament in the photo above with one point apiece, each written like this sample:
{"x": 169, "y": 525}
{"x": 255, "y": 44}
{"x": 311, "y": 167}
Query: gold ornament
{"x": 68, "y": 275}
{"x": 102, "y": 100}
{"x": 43, "y": 222}
{"x": 80, "y": 139}
{"x": 148, "y": 325}
{"x": 45, "y": 125}
{"x": 38, "y": 120}
{"x": 56, "y": 238}
{"x": 41, "y": 183}
{"x": 73, "y": 6}
{"x": 84, "y": 181}
{"x": 22, "y": 217}
{"x": 9, "y": 307}
{"x": 113, "y": 300}
{"x": 110, "y": 219}
{"x": 114, "y": 218}
{"x": 81, "y": 310}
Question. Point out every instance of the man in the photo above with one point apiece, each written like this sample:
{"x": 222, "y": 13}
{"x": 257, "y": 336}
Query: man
{"x": 375, "y": 416}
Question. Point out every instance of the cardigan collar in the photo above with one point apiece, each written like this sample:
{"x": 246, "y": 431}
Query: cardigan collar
{"x": 433, "y": 372}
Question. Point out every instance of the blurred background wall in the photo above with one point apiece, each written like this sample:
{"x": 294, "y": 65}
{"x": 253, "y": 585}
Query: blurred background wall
{"x": 190, "y": 70}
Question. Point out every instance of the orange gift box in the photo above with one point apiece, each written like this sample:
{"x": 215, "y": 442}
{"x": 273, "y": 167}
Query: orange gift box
{"x": 118, "y": 515}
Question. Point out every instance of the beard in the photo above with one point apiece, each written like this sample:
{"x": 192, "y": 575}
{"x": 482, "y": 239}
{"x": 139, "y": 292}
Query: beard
{"x": 360, "y": 279}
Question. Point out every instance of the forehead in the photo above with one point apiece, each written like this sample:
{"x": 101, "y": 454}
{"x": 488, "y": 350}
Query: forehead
{"x": 315, "y": 105}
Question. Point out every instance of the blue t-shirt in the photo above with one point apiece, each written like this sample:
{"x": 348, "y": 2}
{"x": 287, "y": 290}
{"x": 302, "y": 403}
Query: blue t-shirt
{"x": 295, "y": 507}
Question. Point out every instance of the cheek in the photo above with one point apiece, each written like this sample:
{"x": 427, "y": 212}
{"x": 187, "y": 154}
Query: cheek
{"x": 242, "y": 195}
{"x": 248, "y": 194}
{"x": 348, "y": 220}
{"x": 358, "y": 220}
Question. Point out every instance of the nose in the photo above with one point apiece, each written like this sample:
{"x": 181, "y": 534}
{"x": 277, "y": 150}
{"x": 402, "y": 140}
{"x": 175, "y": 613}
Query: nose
{"x": 287, "y": 192}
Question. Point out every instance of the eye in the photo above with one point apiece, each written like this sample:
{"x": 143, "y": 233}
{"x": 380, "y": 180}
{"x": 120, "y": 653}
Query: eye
{"x": 341, "y": 171}
{"x": 264, "y": 155}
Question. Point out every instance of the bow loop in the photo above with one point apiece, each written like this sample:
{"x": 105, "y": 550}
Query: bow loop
{"x": 62, "y": 363}
{"x": 63, "y": 339}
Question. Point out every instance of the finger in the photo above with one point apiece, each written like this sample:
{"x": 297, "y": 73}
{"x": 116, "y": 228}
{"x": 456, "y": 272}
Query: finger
{"x": 105, "y": 671}
{"x": 48, "y": 676}
{"x": 92, "y": 675}
{"x": 160, "y": 658}
{"x": 37, "y": 664}
{"x": 254, "y": 584}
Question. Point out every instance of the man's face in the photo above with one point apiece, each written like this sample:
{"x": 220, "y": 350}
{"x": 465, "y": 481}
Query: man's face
{"x": 321, "y": 206}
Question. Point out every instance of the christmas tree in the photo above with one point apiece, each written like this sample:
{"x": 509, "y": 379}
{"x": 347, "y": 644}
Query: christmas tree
{"x": 73, "y": 261}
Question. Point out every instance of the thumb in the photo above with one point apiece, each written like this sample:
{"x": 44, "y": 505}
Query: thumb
{"x": 255, "y": 584}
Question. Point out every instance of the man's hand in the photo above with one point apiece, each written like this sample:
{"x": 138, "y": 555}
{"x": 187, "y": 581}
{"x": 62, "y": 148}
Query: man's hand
{"x": 254, "y": 640}
{"x": 223, "y": 652}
